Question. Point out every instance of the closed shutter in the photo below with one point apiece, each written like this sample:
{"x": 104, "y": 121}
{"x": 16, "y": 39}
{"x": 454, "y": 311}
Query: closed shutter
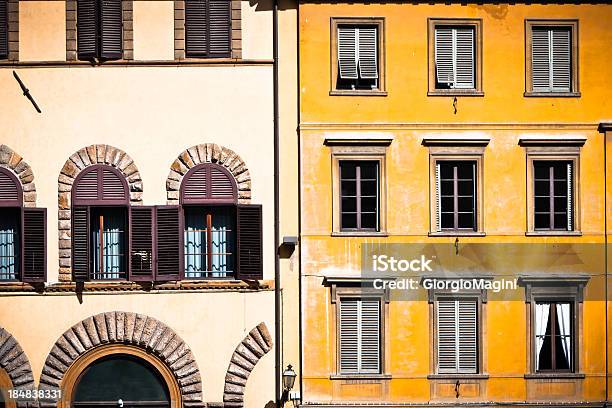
{"x": 101, "y": 183}
{"x": 195, "y": 185}
{"x": 464, "y": 57}
{"x": 551, "y": 59}
{"x": 445, "y": 72}
{"x": 3, "y": 29}
{"x": 168, "y": 243}
{"x": 457, "y": 336}
{"x": 222, "y": 185}
{"x": 112, "y": 186}
{"x": 196, "y": 29}
{"x": 207, "y": 183}
{"x": 368, "y": 55}
{"x": 540, "y": 60}
{"x": 220, "y": 28}
{"x": 141, "y": 244}
{"x": 111, "y": 46}
{"x": 86, "y": 29}
{"x": 34, "y": 244}
{"x": 10, "y": 193}
{"x": 570, "y": 219}
{"x": 347, "y": 52}
{"x": 455, "y": 56}
{"x": 359, "y": 336}
{"x": 249, "y": 233}
{"x": 80, "y": 243}
{"x": 561, "y": 62}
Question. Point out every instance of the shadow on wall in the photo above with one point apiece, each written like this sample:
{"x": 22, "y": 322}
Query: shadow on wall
{"x": 267, "y": 5}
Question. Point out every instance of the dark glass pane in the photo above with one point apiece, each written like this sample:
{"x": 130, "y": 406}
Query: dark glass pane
{"x": 542, "y": 204}
{"x": 560, "y": 170}
{"x": 120, "y": 377}
{"x": 349, "y": 188}
{"x": 542, "y": 188}
{"x": 447, "y": 221}
{"x": 349, "y": 204}
{"x": 369, "y": 188}
{"x": 560, "y": 204}
{"x": 9, "y": 243}
{"x": 446, "y": 188}
{"x": 541, "y": 170}
{"x": 369, "y": 170}
{"x": 466, "y": 204}
{"x": 466, "y": 221}
{"x": 561, "y": 221}
{"x": 108, "y": 242}
{"x": 369, "y": 204}
{"x": 542, "y": 221}
{"x": 347, "y": 170}
{"x": 465, "y": 170}
{"x": 349, "y": 221}
{"x": 466, "y": 188}
{"x": 369, "y": 221}
{"x": 447, "y": 204}
{"x": 560, "y": 188}
{"x": 446, "y": 170}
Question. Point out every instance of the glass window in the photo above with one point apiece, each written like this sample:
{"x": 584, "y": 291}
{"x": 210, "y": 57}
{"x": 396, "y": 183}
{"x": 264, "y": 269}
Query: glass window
{"x": 552, "y": 195}
{"x": 359, "y": 191}
{"x": 9, "y": 243}
{"x": 209, "y": 242}
{"x": 108, "y": 233}
{"x": 554, "y": 333}
{"x": 457, "y": 194}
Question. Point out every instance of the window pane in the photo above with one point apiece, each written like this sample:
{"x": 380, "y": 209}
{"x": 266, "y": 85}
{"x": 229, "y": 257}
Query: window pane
{"x": 348, "y": 170}
{"x": 561, "y": 221}
{"x": 466, "y": 221}
{"x": 369, "y": 170}
{"x": 541, "y": 170}
{"x": 349, "y": 221}
{"x": 368, "y": 221}
{"x": 447, "y": 220}
{"x": 447, "y": 188}
{"x": 542, "y": 188}
{"x": 349, "y": 204}
{"x": 109, "y": 243}
{"x": 369, "y": 188}
{"x": 465, "y": 170}
{"x": 560, "y": 188}
{"x": 349, "y": 188}
{"x": 542, "y": 221}
{"x": 9, "y": 243}
{"x": 466, "y": 204}
{"x": 466, "y": 188}
{"x": 369, "y": 204}
{"x": 543, "y": 349}
{"x": 542, "y": 204}
{"x": 560, "y": 204}
{"x": 447, "y": 204}
{"x": 446, "y": 170}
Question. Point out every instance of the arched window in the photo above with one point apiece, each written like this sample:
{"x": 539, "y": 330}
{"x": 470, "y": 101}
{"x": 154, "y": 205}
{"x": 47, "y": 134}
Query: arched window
{"x": 120, "y": 380}
{"x": 22, "y": 234}
{"x": 221, "y": 239}
{"x": 100, "y": 224}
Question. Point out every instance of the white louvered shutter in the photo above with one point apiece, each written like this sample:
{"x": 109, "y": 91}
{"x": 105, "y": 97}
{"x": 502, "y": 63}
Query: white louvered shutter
{"x": 570, "y": 220}
{"x": 347, "y": 52}
{"x": 561, "y": 61}
{"x": 438, "y": 220}
{"x": 447, "y": 336}
{"x": 540, "y": 60}
{"x": 464, "y": 57}
{"x": 445, "y": 72}
{"x": 467, "y": 336}
{"x": 367, "y": 52}
{"x": 359, "y": 336}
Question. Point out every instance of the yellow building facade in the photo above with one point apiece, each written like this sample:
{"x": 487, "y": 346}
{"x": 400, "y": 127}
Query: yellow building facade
{"x": 466, "y": 131}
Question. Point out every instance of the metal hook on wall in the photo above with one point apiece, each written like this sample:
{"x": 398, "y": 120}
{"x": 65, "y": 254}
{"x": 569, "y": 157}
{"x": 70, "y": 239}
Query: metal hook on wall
{"x": 455, "y": 104}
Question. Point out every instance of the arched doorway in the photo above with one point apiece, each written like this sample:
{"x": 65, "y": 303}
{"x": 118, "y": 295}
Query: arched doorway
{"x": 120, "y": 376}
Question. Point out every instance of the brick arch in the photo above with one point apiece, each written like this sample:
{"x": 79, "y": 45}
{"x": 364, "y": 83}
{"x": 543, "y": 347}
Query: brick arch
{"x": 15, "y": 363}
{"x": 248, "y": 353}
{"x": 208, "y": 153}
{"x": 137, "y": 330}
{"x": 81, "y": 159}
{"x": 22, "y": 170}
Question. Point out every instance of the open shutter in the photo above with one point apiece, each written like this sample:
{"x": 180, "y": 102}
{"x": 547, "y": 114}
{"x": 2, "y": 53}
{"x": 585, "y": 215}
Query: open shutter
{"x": 540, "y": 60}
{"x": 561, "y": 61}
{"x": 196, "y": 28}
{"x": 445, "y": 73}
{"x": 370, "y": 336}
{"x": 80, "y": 243}
{"x": 368, "y": 52}
{"x": 220, "y": 28}
{"x": 467, "y": 336}
{"x": 141, "y": 244}
{"x": 447, "y": 336}
{"x": 250, "y": 255}
{"x": 168, "y": 243}
{"x": 570, "y": 219}
{"x": 86, "y": 29}
{"x": 349, "y": 335}
{"x": 3, "y": 28}
{"x": 111, "y": 46}
{"x": 464, "y": 57}
{"x": 347, "y": 52}
{"x": 34, "y": 244}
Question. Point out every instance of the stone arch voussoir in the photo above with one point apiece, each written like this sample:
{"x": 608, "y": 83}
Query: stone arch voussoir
{"x": 15, "y": 364}
{"x": 77, "y": 162}
{"x": 15, "y": 163}
{"x": 208, "y": 153}
{"x": 127, "y": 328}
{"x": 246, "y": 356}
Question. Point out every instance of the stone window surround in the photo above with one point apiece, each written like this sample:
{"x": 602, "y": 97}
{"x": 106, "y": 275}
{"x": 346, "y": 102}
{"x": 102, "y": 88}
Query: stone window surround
{"x": 71, "y": 30}
{"x": 179, "y": 30}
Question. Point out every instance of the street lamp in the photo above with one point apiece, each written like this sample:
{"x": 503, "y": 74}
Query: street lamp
{"x": 288, "y": 381}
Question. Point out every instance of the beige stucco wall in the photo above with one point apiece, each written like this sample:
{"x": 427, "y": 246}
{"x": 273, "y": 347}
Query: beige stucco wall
{"x": 154, "y": 30}
{"x": 213, "y": 326}
{"x": 42, "y": 30}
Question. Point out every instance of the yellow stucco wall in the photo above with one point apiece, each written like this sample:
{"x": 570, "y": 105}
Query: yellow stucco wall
{"x": 407, "y": 116}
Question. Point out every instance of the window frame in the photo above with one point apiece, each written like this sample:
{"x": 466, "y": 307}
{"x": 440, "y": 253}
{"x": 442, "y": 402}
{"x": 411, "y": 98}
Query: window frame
{"x": 358, "y": 153}
{"x": 555, "y": 153}
{"x": 572, "y": 24}
{"x": 456, "y": 153}
{"x": 379, "y": 22}
{"x": 432, "y": 23}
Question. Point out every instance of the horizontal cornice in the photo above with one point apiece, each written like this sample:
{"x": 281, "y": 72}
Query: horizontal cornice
{"x": 449, "y": 126}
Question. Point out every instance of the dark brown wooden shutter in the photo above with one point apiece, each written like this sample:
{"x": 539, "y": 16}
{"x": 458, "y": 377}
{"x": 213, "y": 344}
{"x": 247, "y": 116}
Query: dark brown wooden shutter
{"x": 3, "y": 28}
{"x": 111, "y": 46}
{"x": 141, "y": 244}
{"x": 112, "y": 186}
{"x": 101, "y": 185}
{"x": 80, "y": 243}
{"x": 87, "y": 186}
{"x": 222, "y": 185}
{"x": 196, "y": 28}
{"x": 10, "y": 189}
{"x": 196, "y": 184}
{"x": 250, "y": 255}
{"x": 86, "y": 29}
{"x": 168, "y": 243}
{"x": 34, "y": 244}
{"x": 220, "y": 28}
{"x": 209, "y": 183}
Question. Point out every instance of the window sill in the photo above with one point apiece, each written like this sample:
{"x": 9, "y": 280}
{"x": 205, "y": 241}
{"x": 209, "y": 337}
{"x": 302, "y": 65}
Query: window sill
{"x": 458, "y": 376}
{"x": 530, "y": 94}
{"x": 553, "y": 234}
{"x": 360, "y": 377}
{"x": 359, "y": 234}
{"x": 455, "y": 92}
{"x": 457, "y": 234}
{"x": 338, "y": 92}
{"x": 542, "y": 376}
